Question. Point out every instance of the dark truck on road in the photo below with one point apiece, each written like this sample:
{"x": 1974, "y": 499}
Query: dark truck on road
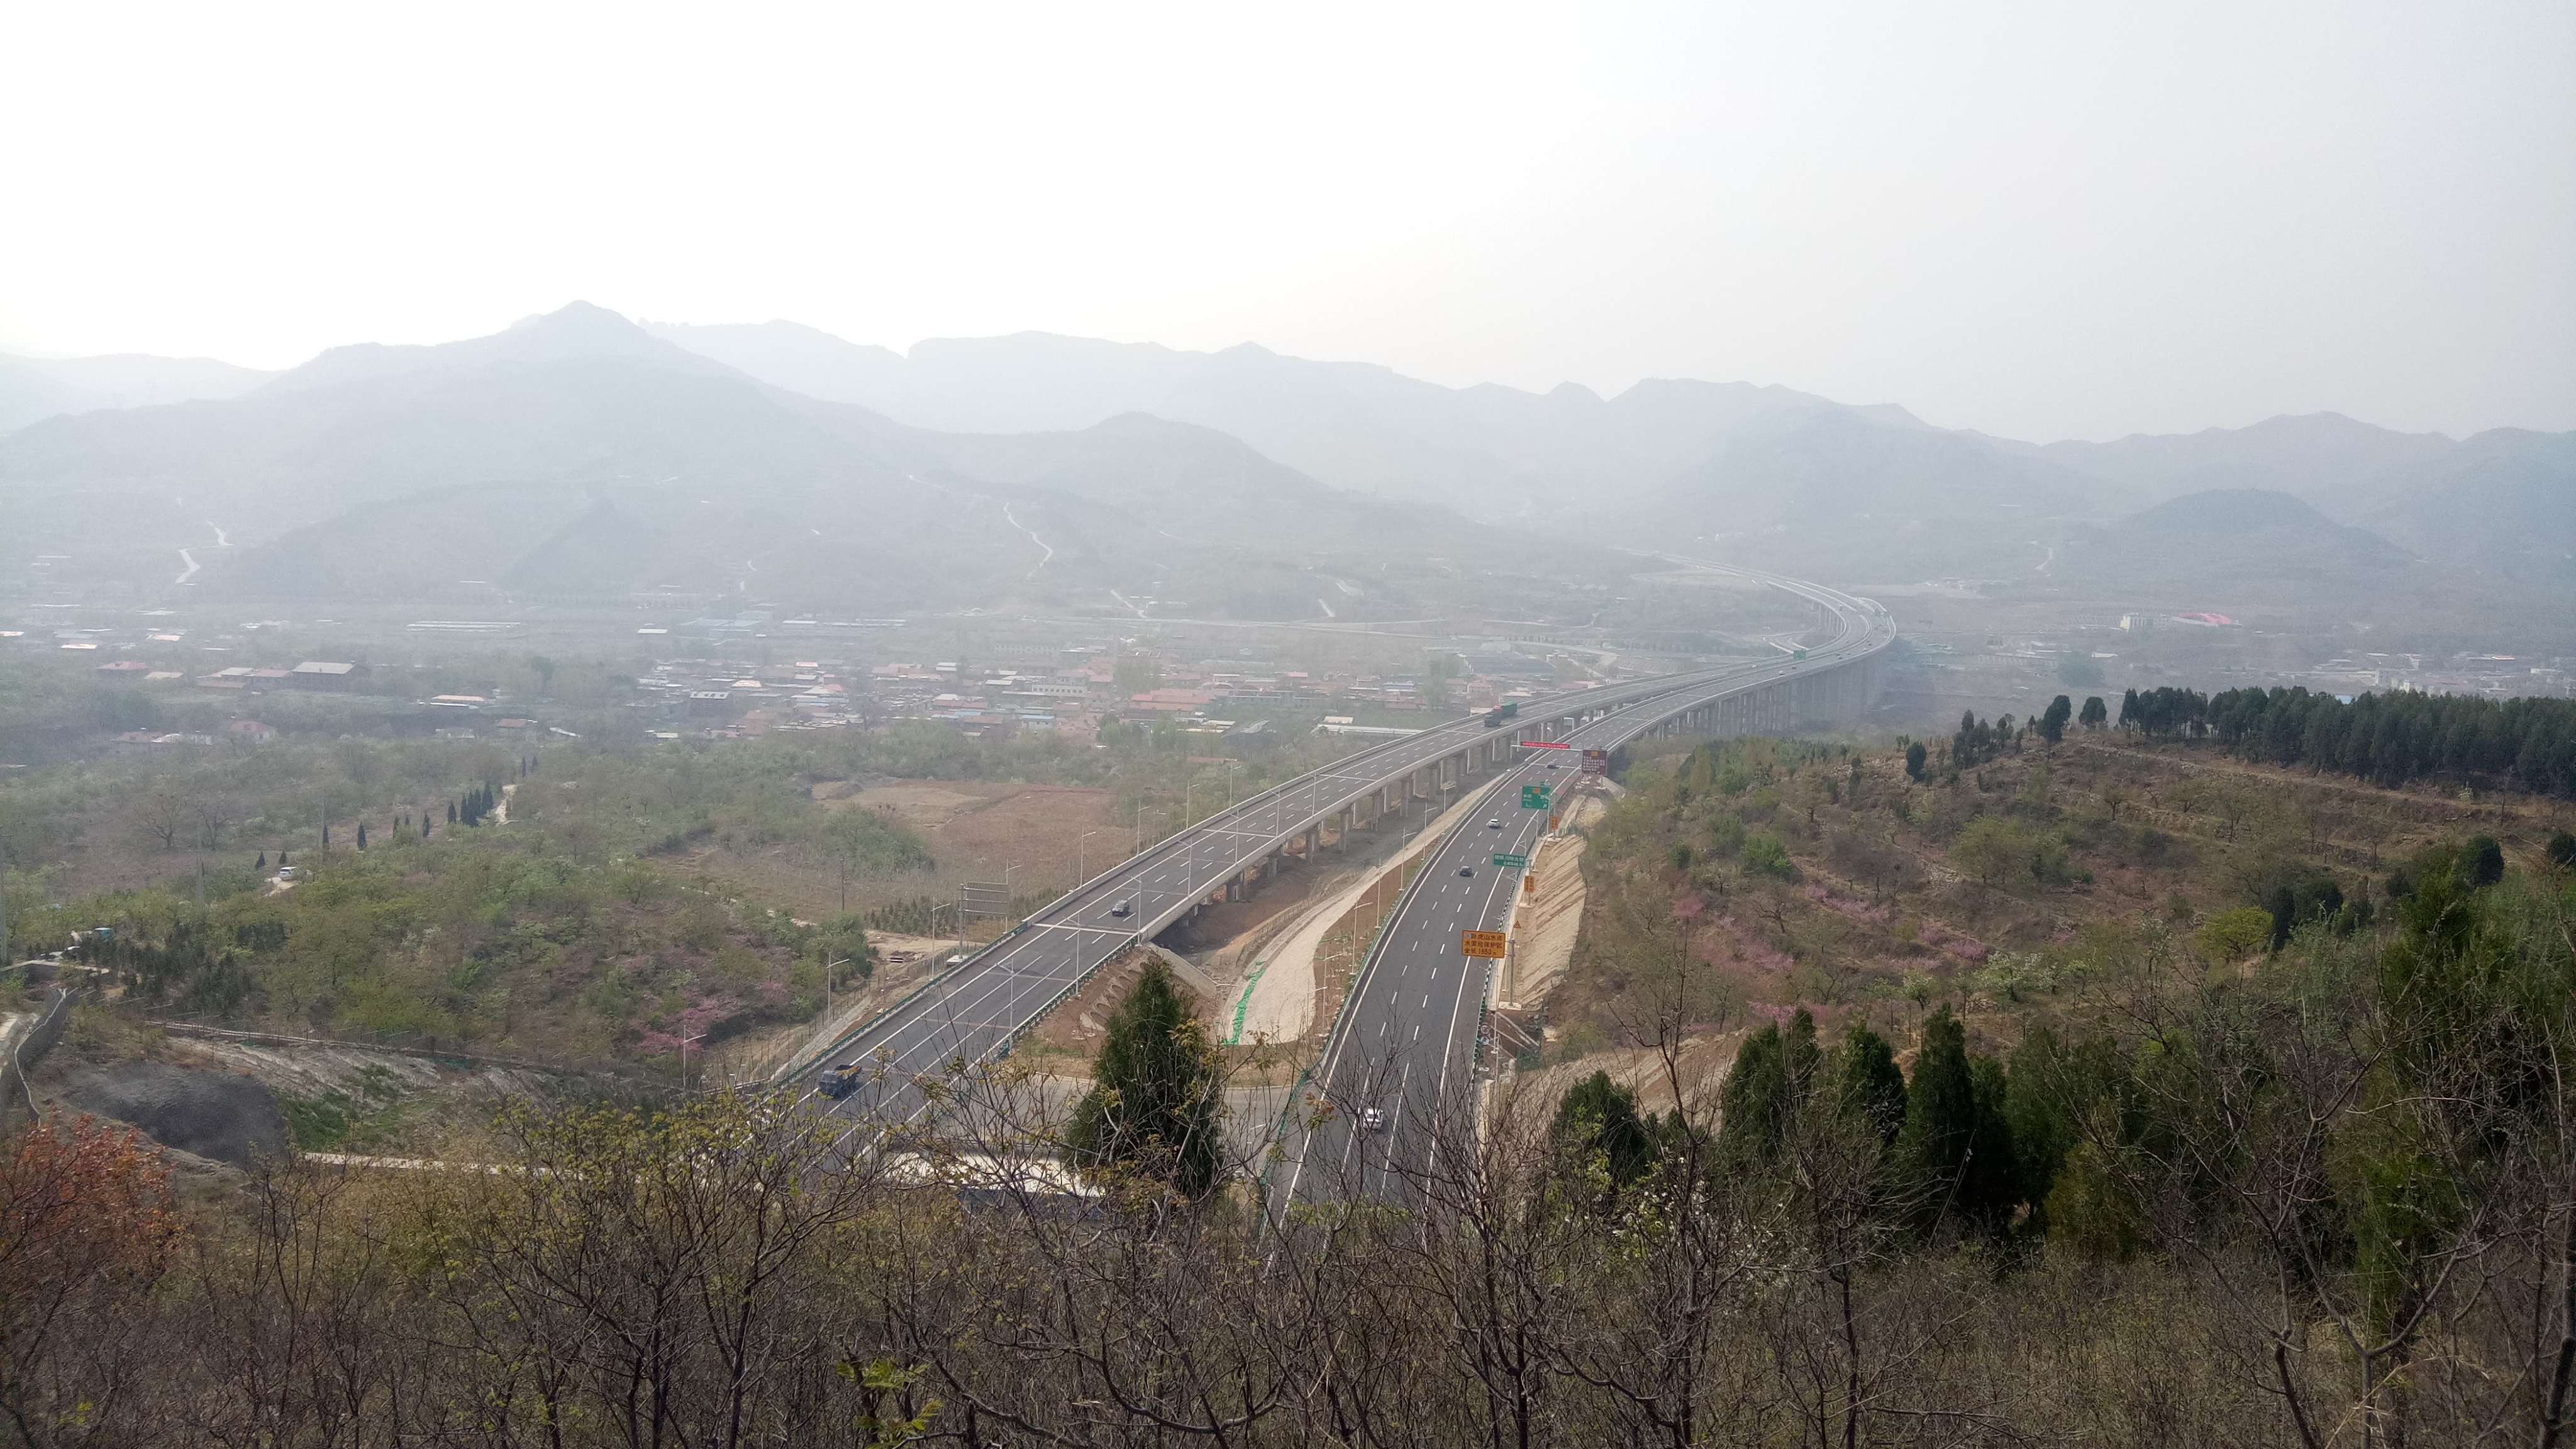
{"x": 840, "y": 1079}
{"x": 1494, "y": 717}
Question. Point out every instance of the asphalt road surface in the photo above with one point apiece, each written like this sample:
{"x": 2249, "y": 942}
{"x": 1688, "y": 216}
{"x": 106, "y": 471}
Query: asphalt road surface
{"x": 1395, "y": 1086}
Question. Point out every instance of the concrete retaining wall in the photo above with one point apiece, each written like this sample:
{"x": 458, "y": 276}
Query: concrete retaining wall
{"x": 28, "y": 1049}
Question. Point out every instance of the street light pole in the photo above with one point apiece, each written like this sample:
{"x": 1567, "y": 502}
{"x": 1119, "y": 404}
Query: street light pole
{"x": 685, "y": 1039}
{"x": 827, "y": 988}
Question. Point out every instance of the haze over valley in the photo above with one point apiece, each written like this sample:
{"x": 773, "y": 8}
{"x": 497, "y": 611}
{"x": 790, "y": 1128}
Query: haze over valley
{"x": 1402, "y": 726}
{"x": 579, "y": 456}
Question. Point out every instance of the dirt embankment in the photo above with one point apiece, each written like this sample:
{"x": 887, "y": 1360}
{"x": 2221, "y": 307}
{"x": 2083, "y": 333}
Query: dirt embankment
{"x": 1075, "y": 1029}
{"x": 1698, "y": 1067}
{"x": 1546, "y": 924}
{"x": 219, "y": 1116}
{"x": 219, "y": 1104}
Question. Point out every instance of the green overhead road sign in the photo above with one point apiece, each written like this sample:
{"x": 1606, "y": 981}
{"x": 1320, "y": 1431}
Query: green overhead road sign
{"x": 1534, "y": 797}
{"x": 1512, "y": 862}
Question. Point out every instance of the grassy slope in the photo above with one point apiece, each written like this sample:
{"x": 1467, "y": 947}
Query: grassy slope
{"x": 1876, "y": 913}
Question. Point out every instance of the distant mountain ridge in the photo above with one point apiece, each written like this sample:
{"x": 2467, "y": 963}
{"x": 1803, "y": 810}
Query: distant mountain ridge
{"x": 582, "y": 449}
{"x": 1493, "y": 451}
{"x": 35, "y": 388}
{"x": 577, "y": 455}
{"x": 1715, "y": 460}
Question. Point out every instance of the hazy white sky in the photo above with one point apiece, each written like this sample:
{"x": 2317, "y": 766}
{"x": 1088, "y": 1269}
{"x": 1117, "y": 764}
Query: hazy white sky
{"x": 2043, "y": 220}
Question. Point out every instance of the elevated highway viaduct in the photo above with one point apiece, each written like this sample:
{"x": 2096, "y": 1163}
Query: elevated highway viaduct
{"x": 972, "y": 1013}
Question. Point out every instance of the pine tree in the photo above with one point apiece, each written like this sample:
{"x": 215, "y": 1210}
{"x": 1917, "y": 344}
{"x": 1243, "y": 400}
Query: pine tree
{"x": 2482, "y": 861}
{"x": 1154, "y": 1103}
{"x": 1864, "y": 1077}
{"x": 262, "y": 867}
{"x": 2052, "y": 725}
{"x": 1598, "y": 1115}
{"x": 2095, "y": 714}
{"x": 362, "y": 835}
{"x": 2562, "y": 850}
{"x": 451, "y": 812}
{"x": 2042, "y": 1130}
{"x": 1766, "y": 1087}
{"x": 1955, "y": 1152}
{"x": 1914, "y": 758}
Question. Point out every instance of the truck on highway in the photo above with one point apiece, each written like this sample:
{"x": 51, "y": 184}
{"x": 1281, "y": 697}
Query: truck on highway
{"x": 840, "y": 1079}
{"x": 1501, "y": 712}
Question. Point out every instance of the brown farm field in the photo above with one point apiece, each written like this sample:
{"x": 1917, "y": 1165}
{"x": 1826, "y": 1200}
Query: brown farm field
{"x": 975, "y": 830}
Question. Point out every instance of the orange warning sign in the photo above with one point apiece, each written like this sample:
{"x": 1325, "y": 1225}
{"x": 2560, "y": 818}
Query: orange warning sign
{"x": 1481, "y": 943}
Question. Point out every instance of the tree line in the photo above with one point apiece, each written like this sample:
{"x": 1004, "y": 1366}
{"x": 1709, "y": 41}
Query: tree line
{"x": 2388, "y": 739}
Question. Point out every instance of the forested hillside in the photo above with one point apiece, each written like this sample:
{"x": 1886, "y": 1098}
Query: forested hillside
{"x": 2161, "y": 1175}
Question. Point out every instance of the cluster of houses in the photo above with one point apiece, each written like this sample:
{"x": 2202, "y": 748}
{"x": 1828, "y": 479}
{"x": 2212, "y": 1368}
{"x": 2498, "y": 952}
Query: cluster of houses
{"x": 720, "y": 699}
{"x": 320, "y": 674}
{"x": 1071, "y": 691}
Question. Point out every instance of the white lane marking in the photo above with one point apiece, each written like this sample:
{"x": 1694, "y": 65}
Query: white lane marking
{"x": 1092, "y": 930}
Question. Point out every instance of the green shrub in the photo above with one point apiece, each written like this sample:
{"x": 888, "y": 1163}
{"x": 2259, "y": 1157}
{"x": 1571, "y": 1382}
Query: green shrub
{"x": 1762, "y": 854}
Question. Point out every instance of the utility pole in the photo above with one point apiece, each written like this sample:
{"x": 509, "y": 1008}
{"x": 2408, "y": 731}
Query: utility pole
{"x": 827, "y": 988}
